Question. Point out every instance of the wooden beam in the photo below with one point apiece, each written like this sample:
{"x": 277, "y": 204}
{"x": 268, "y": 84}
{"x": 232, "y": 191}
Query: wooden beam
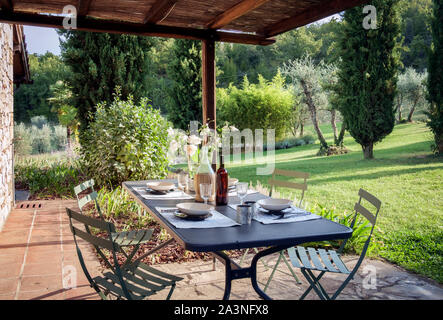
{"x": 110, "y": 26}
{"x": 323, "y": 10}
{"x": 240, "y": 9}
{"x": 159, "y": 10}
{"x": 83, "y": 7}
{"x": 208, "y": 83}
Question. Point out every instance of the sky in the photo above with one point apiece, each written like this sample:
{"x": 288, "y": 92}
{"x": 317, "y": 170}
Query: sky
{"x": 39, "y": 40}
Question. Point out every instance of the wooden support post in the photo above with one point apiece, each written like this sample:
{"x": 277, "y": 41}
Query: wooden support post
{"x": 208, "y": 82}
{"x": 208, "y": 86}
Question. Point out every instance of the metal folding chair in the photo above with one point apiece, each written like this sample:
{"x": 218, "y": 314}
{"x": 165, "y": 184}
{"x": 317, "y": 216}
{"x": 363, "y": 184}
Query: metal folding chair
{"x": 311, "y": 259}
{"x": 132, "y": 281}
{"x": 123, "y": 239}
{"x": 273, "y": 182}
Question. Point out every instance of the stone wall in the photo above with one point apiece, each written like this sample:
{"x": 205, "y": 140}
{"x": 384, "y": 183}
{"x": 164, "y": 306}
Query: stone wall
{"x": 6, "y": 122}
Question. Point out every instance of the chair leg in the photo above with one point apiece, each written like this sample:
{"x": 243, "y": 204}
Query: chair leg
{"x": 256, "y": 251}
{"x": 314, "y": 284}
{"x": 290, "y": 269}
{"x": 310, "y": 288}
{"x": 273, "y": 271}
{"x": 170, "y": 292}
{"x": 318, "y": 284}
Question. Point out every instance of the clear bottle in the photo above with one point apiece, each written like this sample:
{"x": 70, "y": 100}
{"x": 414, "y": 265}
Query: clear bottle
{"x": 204, "y": 174}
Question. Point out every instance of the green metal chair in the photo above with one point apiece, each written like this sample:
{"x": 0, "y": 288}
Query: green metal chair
{"x": 302, "y": 257}
{"x": 132, "y": 281}
{"x": 273, "y": 182}
{"x": 123, "y": 239}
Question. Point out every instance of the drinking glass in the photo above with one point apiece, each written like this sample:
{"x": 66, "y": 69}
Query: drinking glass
{"x": 205, "y": 191}
{"x": 242, "y": 190}
{"x": 181, "y": 180}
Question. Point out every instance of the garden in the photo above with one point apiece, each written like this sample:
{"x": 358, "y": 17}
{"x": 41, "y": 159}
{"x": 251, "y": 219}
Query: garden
{"x": 102, "y": 118}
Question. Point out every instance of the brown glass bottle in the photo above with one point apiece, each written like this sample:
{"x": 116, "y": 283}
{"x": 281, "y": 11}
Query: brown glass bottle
{"x": 221, "y": 198}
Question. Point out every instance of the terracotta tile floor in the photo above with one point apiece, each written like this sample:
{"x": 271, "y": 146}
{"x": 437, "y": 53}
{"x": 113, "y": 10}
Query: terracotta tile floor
{"x": 37, "y": 258}
{"x": 36, "y": 254}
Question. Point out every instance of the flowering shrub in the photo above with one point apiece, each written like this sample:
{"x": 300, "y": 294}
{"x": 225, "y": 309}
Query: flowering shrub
{"x": 126, "y": 142}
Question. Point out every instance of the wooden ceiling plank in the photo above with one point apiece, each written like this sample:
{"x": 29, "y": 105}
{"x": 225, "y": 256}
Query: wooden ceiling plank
{"x": 99, "y": 25}
{"x": 83, "y": 7}
{"x": 6, "y": 5}
{"x": 235, "y": 12}
{"x": 159, "y": 10}
{"x": 310, "y": 15}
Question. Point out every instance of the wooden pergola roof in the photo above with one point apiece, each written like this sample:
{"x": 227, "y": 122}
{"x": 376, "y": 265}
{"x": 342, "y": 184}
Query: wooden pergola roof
{"x": 238, "y": 21}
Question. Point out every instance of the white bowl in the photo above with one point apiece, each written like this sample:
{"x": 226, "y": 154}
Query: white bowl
{"x": 232, "y": 182}
{"x": 161, "y": 186}
{"x": 274, "y": 204}
{"x": 194, "y": 209}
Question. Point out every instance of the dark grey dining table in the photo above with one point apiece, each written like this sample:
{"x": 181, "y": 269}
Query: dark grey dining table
{"x": 275, "y": 237}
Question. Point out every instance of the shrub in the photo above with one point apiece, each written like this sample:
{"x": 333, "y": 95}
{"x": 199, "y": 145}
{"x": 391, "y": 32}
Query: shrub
{"x": 39, "y": 121}
{"x": 309, "y": 139}
{"x": 59, "y": 138}
{"x": 41, "y": 142}
{"x": 48, "y": 179}
{"x": 22, "y": 139}
{"x": 266, "y": 105}
{"x": 125, "y": 142}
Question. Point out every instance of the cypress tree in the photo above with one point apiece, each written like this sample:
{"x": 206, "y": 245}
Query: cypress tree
{"x": 435, "y": 79}
{"x": 367, "y": 74}
{"x": 185, "y": 100}
{"x": 101, "y": 62}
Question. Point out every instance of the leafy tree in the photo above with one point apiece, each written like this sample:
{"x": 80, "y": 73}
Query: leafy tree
{"x": 415, "y": 17}
{"x": 32, "y": 100}
{"x": 411, "y": 90}
{"x": 310, "y": 82}
{"x": 367, "y": 76}
{"x": 185, "y": 100}
{"x": 61, "y": 100}
{"x": 100, "y": 62}
{"x": 435, "y": 79}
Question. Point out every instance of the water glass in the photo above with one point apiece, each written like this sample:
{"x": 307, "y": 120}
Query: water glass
{"x": 242, "y": 190}
{"x": 253, "y": 205}
{"x": 182, "y": 180}
{"x": 244, "y": 214}
{"x": 205, "y": 191}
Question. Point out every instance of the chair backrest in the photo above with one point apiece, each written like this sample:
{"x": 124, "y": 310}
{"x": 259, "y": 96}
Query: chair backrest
{"x": 372, "y": 218}
{"x": 92, "y": 196}
{"x": 99, "y": 243}
{"x": 273, "y": 182}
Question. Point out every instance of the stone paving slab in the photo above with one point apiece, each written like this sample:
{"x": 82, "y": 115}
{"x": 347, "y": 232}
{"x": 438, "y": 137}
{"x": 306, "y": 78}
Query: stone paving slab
{"x": 37, "y": 257}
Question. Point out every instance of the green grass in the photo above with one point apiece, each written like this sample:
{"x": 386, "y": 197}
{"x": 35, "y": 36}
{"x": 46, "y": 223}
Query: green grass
{"x": 404, "y": 175}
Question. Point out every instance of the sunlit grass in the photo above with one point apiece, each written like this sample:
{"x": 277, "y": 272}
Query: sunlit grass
{"x": 404, "y": 175}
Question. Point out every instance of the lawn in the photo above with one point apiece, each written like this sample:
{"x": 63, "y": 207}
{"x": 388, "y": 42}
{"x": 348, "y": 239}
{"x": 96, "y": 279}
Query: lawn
{"x": 404, "y": 175}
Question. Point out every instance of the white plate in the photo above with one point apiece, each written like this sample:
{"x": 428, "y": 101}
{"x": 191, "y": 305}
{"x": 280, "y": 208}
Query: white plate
{"x": 232, "y": 182}
{"x": 194, "y": 209}
{"x": 161, "y": 186}
{"x": 274, "y": 204}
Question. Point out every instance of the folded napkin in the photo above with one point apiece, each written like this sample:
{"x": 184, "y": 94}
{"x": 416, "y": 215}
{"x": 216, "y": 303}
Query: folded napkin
{"x": 176, "y": 194}
{"x": 217, "y": 220}
{"x": 292, "y": 214}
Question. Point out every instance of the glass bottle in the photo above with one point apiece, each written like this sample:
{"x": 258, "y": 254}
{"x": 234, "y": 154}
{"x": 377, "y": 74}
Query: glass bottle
{"x": 204, "y": 174}
{"x": 221, "y": 196}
